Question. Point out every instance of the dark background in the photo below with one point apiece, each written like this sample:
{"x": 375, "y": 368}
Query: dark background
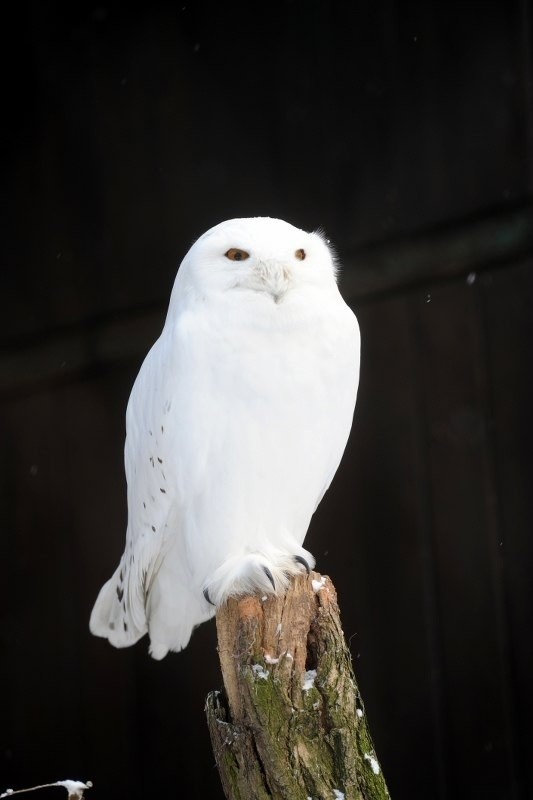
{"x": 405, "y": 131}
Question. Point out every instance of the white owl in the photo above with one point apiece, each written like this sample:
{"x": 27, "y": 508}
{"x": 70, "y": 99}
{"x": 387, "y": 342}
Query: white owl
{"x": 235, "y": 427}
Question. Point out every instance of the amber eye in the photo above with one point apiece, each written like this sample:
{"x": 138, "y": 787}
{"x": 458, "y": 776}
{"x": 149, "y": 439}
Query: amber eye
{"x": 300, "y": 254}
{"x": 234, "y": 254}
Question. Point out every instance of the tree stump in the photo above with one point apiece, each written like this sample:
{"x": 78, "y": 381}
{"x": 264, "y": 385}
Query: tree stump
{"x": 291, "y": 725}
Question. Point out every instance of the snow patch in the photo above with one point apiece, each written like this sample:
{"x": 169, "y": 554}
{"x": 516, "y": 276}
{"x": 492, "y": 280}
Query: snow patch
{"x": 359, "y": 712}
{"x": 75, "y": 789}
{"x": 260, "y": 672}
{"x": 271, "y": 659}
{"x": 309, "y": 680}
{"x": 338, "y": 794}
{"x": 318, "y": 585}
{"x": 278, "y": 629}
{"x": 373, "y": 763}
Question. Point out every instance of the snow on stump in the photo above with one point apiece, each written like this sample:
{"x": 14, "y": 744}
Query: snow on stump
{"x": 291, "y": 724}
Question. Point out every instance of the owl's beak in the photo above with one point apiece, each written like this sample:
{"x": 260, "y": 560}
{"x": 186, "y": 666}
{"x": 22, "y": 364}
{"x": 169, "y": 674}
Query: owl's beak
{"x": 274, "y": 277}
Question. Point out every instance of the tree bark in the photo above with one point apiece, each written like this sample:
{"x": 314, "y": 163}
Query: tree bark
{"x": 291, "y": 725}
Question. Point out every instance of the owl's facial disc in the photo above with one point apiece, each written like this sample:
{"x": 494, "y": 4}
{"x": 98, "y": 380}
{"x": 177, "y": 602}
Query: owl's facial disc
{"x": 264, "y": 271}
{"x": 263, "y": 255}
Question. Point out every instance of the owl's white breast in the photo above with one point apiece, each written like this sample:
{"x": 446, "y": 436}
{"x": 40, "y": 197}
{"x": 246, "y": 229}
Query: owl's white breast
{"x": 261, "y": 398}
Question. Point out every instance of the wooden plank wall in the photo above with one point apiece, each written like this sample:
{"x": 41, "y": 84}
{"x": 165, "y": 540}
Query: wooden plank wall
{"x": 442, "y": 425}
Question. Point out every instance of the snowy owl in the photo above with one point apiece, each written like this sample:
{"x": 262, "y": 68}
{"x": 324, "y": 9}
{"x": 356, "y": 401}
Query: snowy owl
{"x": 235, "y": 427}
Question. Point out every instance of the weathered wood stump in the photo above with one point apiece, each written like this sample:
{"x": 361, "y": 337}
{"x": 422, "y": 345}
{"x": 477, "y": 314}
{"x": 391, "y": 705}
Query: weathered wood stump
{"x": 291, "y": 725}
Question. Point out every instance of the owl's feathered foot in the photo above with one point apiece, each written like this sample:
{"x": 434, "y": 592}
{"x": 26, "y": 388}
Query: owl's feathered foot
{"x": 270, "y": 577}
{"x": 301, "y": 560}
{"x": 206, "y": 595}
{"x": 267, "y": 573}
{"x": 256, "y": 572}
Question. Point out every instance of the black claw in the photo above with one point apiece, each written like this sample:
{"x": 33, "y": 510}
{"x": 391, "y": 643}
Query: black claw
{"x": 206, "y": 595}
{"x": 270, "y": 577}
{"x": 301, "y": 560}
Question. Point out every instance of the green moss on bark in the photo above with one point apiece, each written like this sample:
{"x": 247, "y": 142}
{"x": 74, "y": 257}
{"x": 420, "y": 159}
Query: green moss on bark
{"x": 275, "y": 739}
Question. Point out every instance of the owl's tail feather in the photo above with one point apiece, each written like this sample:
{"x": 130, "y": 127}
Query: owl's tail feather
{"x": 112, "y": 616}
{"x": 173, "y": 610}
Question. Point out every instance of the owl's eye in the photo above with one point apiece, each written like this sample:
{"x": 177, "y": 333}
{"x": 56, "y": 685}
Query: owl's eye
{"x": 300, "y": 254}
{"x": 234, "y": 254}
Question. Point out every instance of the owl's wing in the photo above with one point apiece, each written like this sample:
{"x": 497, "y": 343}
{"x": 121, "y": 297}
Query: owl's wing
{"x": 120, "y": 612}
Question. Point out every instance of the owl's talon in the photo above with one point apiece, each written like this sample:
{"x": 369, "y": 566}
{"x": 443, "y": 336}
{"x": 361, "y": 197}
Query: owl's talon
{"x": 301, "y": 560}
{"x": 270, "y": 577}
{"x": 206, "y": 595}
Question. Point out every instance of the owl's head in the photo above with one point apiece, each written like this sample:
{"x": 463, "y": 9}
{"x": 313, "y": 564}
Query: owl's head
{"x": 257, "y": 254}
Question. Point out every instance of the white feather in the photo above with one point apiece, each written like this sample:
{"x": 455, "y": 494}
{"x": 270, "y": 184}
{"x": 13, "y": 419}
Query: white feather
{"x": 236, "y": 425}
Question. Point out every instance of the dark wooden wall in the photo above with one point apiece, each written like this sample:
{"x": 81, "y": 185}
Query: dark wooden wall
{"x": 406, "y": 131}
